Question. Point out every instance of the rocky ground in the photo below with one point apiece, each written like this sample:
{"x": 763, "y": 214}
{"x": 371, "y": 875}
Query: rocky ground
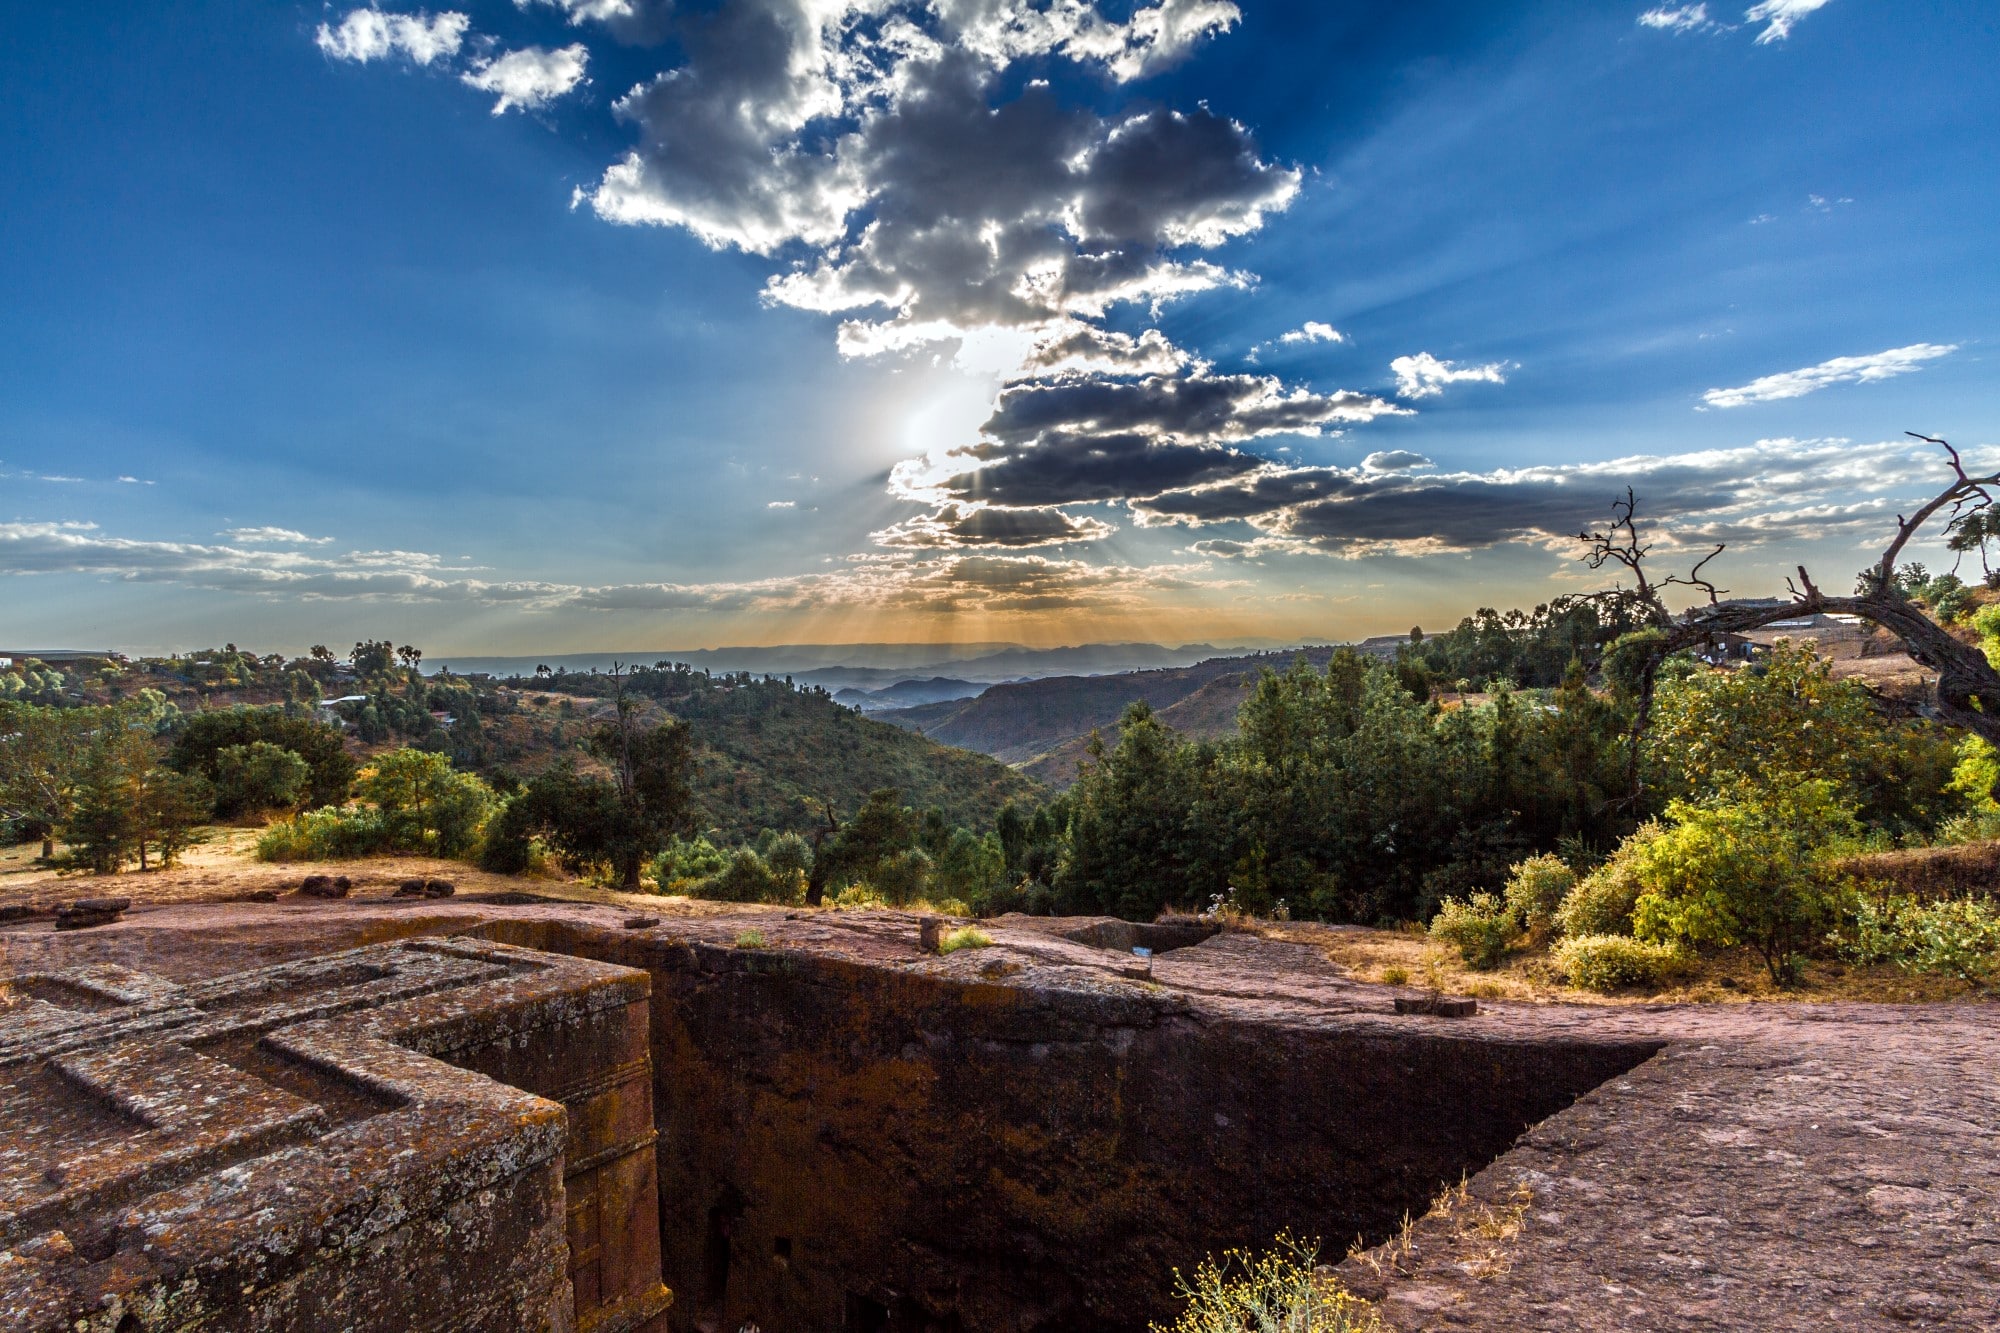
{"x": 1774, "y": 1166}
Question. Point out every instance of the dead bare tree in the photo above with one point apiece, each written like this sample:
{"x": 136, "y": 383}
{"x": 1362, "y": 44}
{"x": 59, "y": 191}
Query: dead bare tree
{"x": 1967, "y": 692}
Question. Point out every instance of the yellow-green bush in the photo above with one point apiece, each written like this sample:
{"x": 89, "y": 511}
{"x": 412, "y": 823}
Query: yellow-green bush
{"x": 1602, "y": 901}
{"x": 1536, "y": 888}
{"x": 1612, "y": 962}
{"x": 965, "y": 937}
{"x": 1479, "y": 926}
{"x": 1756, "y": 869}
{"x": 329, "y": 834}
{"x": 1958, "y": 937}
{"x": 1279, "y": 1291}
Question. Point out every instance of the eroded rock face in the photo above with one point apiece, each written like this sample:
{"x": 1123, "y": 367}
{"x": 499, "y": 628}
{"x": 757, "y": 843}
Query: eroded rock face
{"x": 930, "y": 1147}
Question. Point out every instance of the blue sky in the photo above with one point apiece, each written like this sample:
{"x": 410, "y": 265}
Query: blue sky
{"x": 596, "y": 324}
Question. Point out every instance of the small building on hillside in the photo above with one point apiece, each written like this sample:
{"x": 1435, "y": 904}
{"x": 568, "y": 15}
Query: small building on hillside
{"x": 1384, "y": 646}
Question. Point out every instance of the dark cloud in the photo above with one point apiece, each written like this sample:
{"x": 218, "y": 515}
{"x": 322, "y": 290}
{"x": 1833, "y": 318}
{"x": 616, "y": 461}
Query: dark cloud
{"x": 1776, "y": 488}
{"x": 1069, "y": 468}
{"x": 1193, "y": 408}
{"x": 967, "y": 526}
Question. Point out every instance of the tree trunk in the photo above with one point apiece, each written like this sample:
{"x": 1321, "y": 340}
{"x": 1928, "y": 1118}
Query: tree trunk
{"x": 48, "y": 849}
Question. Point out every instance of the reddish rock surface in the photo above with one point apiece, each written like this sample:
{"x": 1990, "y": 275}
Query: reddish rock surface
{"x": 1032, "y": 1135}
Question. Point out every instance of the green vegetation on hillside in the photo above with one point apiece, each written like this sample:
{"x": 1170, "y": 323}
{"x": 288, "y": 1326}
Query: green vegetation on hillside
{"x": 769, "y": 755}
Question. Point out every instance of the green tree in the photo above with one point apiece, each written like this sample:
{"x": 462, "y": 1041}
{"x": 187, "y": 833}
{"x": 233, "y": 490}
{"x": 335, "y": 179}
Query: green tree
{"x": 169, "y": 808}
{"x": 199, "y": 738}
{"x": 43, "y": 756}
{"x": 1753, "y": 869}
{"x": 1713, "y": 729}
{"x": 259, "y": 776}
{"x": 427, "y": 806}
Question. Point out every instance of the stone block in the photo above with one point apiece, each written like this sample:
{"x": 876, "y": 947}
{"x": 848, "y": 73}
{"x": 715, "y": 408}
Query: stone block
{"x": 85, "y": 912}
{"x": 321, "y": 1145}
{"x": 1437, "y": 1006}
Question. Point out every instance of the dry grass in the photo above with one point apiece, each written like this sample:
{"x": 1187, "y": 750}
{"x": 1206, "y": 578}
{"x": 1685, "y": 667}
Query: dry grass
{"x": 1410, "y": 957}
{"x": 226, "y": 867}
{"x": 1477, "y": 1233}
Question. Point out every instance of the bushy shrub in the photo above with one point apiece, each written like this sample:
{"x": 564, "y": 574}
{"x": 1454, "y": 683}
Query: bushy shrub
{"x": 857, "y": 896}
{"x": 1279, "y": 1291}
{"x": 1978, "y": 826}
{"x": 748, "y": 878}
{"x": 258, "y": 776}
{"x": 1536, "y": 888}
{"x": 1958, "y": 937}
{"x": 903, "y": 875}
{"x": 1479, "y": 927}
{"x": 1602, "y": 901}
{"x": 687, "y": 859}
{"x": 428, "y": 807}
{"x": 507, "y": 846}
{"x": 789, "y": 854}
{"x": 328, "y": 834}
{"x": 1755, "y": 870}
{"x": 1611, "y": 962}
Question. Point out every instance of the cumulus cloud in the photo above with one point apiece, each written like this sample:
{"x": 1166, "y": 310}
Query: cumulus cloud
{"x": 1677, "y": 18}
{"x": 370, "y": 34}
{"x": 925, "y": 194}
{"x": 1425, "y": 376}
{"x": 1774, "y": 489}
{"x": 987, "y": 525}
{"x": 273, "y": 536}
{"x": 627, "y": 20}
{"x": 1780, "y": 17}
{"x": 1394, "y": 460}
{"x": 1313, "y": 331}
{"x": 1839, "y": 370}
{"x": 1155, "y": 37}
{"x": 530, "y": 77}
{"x": 782, "y": 504}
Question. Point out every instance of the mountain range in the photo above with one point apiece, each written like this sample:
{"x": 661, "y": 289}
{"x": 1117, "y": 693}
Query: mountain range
{"x": 1042, "y": 727}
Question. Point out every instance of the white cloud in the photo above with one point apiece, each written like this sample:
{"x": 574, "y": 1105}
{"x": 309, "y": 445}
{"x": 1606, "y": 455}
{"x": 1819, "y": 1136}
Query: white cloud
{"x": 530, "y": 77}
{"x": 1676, "y": 18}
{"x": 1840, "y": 370}
{"x": 1394, "y": 460}
{"x": 630, "y": 20}
{"x": 940, "y": 582}
{"x": 273, "y": 536}
{"x": 370, "y": 34}
{"x": 1312, "y": 331}
{"x": 1425, "y": 376}
{"x": 782, "y": 504}
{"x": 1780, "y": 16}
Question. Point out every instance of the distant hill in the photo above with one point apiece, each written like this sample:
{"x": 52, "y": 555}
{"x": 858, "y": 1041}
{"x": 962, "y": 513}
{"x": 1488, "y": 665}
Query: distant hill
{"x": 1209, "y": 714}
{"x": 868, "y": 666}
{"x": 767, "y": 753}
{"x": 1022, "y": 722}
{"x": 909, "y": 694}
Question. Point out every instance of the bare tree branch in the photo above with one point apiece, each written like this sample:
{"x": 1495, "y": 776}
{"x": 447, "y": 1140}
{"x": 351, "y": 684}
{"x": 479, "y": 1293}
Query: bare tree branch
{"x": 1967, "y": 692}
